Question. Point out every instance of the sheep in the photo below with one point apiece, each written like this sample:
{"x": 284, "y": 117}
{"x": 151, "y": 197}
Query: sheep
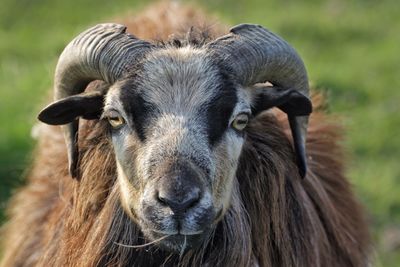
{"x": 188, "y": 151}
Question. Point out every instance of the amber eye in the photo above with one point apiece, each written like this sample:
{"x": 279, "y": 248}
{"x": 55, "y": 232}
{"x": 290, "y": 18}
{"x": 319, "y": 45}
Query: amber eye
{"x": 240, "y": 122}
{"x": 116, "y": 121}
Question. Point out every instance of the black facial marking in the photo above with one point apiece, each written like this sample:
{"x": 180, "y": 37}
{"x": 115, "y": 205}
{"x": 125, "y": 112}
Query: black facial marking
{"x": 139, "y": 109}
{"x": 220, "y": 109}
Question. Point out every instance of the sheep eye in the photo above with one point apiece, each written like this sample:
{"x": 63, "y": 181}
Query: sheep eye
{"x": 116, "y": 121}
{"x": 240, "y": 122}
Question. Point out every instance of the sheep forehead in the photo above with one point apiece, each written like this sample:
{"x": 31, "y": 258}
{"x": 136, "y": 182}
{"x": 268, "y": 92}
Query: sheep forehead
{"x": 178, "y": 86}
{"x": 179, "y": 79}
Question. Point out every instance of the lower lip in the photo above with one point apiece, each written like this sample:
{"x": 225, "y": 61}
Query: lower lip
{"x": 180, "y": 238}
{"x": 191, "y": 240}
{"x": 178, "y": 233}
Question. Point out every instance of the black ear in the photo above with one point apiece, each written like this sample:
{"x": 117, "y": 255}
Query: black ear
{"x": 291, "y": 101}
{"x": 86, "y": 105}
{"x": 296, "y": 106}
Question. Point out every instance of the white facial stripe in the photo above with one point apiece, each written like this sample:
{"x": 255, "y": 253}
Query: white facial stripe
{"x": 227, "y": 155}
{"x": 176, "y": 135}
{"x": 243, "y": 105}
{"x": 112, "y": 98}
{"x": 126, "y": 189}
{"x": 179, "y": 80}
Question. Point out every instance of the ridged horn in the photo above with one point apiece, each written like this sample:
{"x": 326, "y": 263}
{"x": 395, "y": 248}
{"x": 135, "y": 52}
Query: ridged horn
{"x": 255, "y": 55}
{"x": 103, "y": 52}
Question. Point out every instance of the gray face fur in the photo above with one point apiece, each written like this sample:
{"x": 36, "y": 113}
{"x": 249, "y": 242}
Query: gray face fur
{"x": 177, "y": 151}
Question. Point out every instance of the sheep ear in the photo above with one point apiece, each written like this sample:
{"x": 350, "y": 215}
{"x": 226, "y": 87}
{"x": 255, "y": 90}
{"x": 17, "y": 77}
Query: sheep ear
{"x": 86, "y": 105}
{"x": 296, "y": 105}
{"x": 291, "y": 101}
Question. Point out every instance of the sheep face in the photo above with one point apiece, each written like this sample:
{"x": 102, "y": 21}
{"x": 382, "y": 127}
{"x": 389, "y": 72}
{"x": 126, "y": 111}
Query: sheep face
{"x": 177, "y": 130}
{"x": 177, "y": 117}
{"x": 177, "y": 122}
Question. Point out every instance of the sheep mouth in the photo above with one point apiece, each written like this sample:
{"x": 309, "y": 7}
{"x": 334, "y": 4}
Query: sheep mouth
{"x": 177, "y": 235}
{"x": 180, "y": 242}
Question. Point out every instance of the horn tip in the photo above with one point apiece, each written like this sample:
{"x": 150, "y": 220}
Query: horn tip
{"x": 302, "y": 166}
{"x": 73, "y": 171}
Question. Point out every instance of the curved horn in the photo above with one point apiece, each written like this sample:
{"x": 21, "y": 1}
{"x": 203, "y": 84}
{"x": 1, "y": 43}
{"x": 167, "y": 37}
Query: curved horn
{"x": 103, "y": 52}
{"x": 256, "y": 55}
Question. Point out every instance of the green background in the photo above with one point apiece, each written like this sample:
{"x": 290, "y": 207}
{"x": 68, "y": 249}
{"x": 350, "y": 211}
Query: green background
{"x": 351, "y": 50}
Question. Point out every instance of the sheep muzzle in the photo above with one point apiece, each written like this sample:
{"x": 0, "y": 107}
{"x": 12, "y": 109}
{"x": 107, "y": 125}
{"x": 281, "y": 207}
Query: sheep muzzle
{"x": 178, "y": 203}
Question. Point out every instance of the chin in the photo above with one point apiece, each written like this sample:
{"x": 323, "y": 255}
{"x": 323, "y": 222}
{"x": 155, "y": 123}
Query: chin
{"x": 178, "y": 243}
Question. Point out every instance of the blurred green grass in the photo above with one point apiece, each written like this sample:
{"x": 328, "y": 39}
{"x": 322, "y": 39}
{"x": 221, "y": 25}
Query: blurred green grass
{"x": 351, "y": 50}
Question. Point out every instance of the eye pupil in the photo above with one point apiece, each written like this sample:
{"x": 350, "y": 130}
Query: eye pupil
{"x": 240, "y": 122}
{"x": 116, "y": 122}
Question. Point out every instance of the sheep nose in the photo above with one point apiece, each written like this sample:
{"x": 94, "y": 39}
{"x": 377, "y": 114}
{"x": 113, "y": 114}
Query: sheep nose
{"x": 179, "y": 202}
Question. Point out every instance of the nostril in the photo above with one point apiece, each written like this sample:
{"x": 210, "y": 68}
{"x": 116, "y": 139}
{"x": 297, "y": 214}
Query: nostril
{"x": 179, "y": 203}
{"x": 193, "y": 200}
{"x": 162, "y": 200}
